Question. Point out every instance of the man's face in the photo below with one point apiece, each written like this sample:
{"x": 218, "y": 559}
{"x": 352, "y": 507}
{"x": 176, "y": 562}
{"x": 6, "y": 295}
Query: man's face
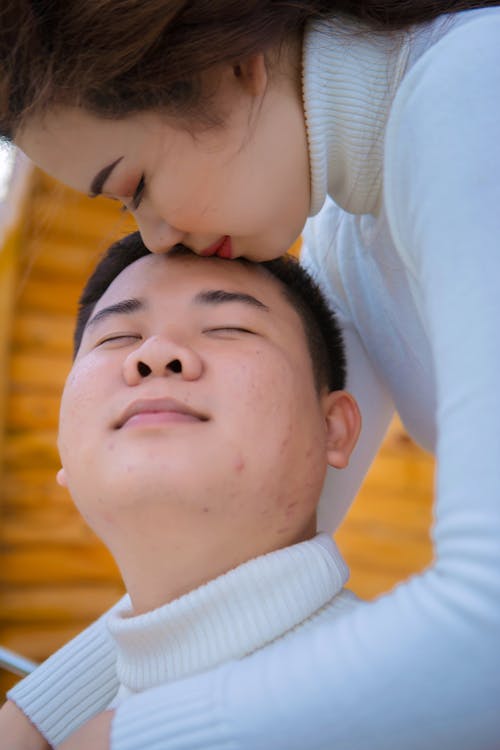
{"x": 192, "y": 400}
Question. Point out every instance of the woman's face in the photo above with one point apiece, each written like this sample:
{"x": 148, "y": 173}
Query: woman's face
{"x": 238, "y": 189}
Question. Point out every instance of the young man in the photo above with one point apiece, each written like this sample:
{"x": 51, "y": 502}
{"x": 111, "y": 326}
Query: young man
{"x": 204, "y": 405}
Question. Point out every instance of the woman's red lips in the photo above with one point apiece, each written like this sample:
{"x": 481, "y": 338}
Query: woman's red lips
{"x": 222, "y": 248}
{"x": 226, "y": 249}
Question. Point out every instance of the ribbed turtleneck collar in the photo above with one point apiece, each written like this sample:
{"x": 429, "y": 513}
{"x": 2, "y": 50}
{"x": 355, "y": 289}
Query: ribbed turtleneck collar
{"x": 227, "y": 618}
{"x": 349, "y": 77}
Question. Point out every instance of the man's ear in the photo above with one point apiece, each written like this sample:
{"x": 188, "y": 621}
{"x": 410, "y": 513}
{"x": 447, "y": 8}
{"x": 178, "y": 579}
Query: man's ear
{"x": 343, "y": 425}
{"x": 252, "y": 74}
{"x": 61, "y": 478}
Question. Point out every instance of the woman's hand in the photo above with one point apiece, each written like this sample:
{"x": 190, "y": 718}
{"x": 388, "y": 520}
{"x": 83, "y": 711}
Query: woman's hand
{"x": 94, "y": 735}
{"x": 17, "y": 732}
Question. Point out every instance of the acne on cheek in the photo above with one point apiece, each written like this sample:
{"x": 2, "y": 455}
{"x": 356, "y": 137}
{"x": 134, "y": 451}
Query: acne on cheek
{"x": 284, "y": 444}
{"x": 239, "y": 464}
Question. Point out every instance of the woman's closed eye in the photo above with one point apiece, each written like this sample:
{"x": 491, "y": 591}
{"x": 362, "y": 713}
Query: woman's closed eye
{"x": 138, "y": 195}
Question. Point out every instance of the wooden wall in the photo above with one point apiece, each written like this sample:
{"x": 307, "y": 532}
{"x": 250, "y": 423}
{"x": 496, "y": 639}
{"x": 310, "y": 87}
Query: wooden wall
{"x": 55, "y": 576}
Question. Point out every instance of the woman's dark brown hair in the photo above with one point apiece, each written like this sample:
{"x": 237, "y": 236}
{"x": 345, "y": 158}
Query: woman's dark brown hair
{"x": 116, "y": 57}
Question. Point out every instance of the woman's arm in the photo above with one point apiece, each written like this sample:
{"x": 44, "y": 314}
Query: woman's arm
{"x": 73, "y": 685}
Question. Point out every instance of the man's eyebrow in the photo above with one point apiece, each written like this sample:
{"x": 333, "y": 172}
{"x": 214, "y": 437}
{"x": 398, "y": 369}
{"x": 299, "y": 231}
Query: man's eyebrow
{"x": 221, "y": 296}
{"x": 125, "y": 307}
{"x": 97, "y": 183}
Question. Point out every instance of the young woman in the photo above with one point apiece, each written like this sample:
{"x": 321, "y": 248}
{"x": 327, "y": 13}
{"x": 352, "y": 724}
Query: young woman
{"x": 223, "y": 125}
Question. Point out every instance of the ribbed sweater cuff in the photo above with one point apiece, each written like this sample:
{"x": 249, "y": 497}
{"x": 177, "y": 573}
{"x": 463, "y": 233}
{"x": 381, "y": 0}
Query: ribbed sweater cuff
{"x": 60, "y": 695}
{"x": 184, "y": 715}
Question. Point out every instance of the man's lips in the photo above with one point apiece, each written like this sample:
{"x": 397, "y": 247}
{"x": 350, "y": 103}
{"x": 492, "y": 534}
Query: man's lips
{"x": 222, "y": 248}
{"x": 158, "y": 411}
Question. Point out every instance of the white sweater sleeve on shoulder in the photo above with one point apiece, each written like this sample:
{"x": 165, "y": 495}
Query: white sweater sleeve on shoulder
{"x": 365, "y": 384}
{"x": 73, "y": 685}
{"x": 419, "y": 668}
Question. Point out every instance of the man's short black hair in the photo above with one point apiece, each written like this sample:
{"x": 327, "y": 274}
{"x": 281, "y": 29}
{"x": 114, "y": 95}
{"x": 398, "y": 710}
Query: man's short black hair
{"x": 322, "y": 331}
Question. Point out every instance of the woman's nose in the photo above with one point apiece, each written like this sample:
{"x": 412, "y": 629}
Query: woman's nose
{"x": 159, "y": 356}
{"x": 157, "y": 235}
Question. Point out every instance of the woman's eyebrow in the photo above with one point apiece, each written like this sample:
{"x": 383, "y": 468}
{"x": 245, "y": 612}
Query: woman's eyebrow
{"x": 97, "y": 183}
{"x": 221, "y": 296}
{"x": 125, "y": 307}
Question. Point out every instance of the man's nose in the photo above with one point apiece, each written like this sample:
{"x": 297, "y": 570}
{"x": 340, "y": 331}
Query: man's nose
{"x": 159, "y": 356}
{"x": 157, "y": 235}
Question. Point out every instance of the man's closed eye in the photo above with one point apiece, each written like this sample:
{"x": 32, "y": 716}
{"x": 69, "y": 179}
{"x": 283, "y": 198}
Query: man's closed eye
{"x": 119, "y": 338}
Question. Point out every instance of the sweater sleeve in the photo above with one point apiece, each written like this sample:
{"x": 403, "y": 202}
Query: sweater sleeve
{"x": 363, "y": 381}
{"x": 419, "y": 668}
{"x": 74, "y": 684}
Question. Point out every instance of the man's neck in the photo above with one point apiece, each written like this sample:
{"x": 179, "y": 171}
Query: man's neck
{"x": 160, "y": 566}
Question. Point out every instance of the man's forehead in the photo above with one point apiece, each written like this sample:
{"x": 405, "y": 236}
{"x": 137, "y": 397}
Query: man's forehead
{"x": 188, "y": 276}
